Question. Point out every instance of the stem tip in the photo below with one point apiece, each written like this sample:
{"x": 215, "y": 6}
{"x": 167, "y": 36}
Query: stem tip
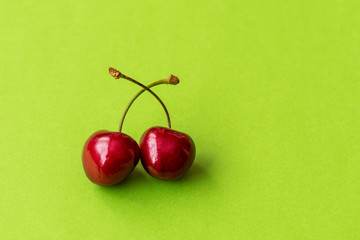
{"x": 173, "y": 79}
{"x": 115, "y": 73}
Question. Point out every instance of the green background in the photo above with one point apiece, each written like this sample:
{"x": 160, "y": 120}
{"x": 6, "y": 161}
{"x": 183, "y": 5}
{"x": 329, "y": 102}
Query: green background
{"x": 269, "y": 92}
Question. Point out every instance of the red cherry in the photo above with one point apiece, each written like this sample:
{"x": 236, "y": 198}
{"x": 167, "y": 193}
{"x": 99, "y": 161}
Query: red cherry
{"x": 109, "y": 157}
{"x": 166, "y": 154}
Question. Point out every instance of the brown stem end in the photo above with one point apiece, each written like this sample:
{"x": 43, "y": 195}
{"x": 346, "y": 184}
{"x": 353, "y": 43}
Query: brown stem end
{"x": 115, "y": 73}
{"x": 173, "y": 79}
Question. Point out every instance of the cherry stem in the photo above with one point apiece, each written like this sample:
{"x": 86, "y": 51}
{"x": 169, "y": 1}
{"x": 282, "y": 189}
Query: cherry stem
{"x": 163, "y": 81}
{"x": 170, "y": 80}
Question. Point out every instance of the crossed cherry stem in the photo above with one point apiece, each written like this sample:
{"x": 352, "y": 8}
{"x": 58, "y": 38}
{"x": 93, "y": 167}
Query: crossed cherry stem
{"x": 170, "y": 80}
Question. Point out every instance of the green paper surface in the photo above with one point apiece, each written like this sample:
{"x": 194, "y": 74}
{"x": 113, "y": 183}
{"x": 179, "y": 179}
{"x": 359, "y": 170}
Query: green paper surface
{"x": 269, "y": 91}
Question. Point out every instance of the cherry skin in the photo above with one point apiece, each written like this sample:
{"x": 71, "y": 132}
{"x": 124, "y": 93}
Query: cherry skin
{"x": 109, "y": 157}
{"x": 166, "y": 154}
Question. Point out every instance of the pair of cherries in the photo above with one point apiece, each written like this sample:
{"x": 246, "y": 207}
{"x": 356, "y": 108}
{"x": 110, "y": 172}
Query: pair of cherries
{"x": 109, "y": 157}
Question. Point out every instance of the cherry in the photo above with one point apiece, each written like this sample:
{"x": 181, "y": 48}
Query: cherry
{"x": 109, "y": 157}
{"x": 166, "y": 154}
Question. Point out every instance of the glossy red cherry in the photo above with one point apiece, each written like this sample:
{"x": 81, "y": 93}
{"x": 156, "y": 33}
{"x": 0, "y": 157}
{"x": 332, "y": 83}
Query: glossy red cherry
{"x": 166, "y": 154}
{"x": 109, "y": 157}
